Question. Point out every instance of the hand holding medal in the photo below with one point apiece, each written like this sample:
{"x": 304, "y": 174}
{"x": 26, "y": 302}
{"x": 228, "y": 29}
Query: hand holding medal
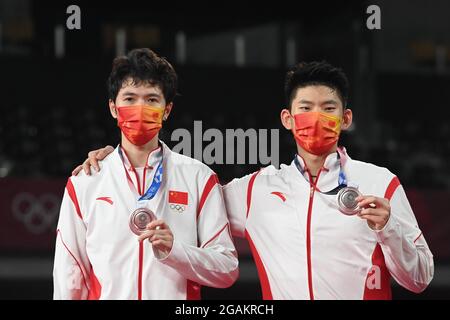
{"x": 143, "y": 222}
{"x": 159, "y": 235}
{"x": 375, "y": 210}
{"x": 346, "y": 199}
{"x": 139, "y": 220}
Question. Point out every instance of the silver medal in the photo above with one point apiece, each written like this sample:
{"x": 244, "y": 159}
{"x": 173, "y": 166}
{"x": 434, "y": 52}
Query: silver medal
{"x": 139, "y": 220}
{"x": 346, "y": 200}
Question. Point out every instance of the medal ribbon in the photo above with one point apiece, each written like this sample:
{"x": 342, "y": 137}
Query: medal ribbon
{"x": 156, "y": 183}
{"x": 342, "y": 179}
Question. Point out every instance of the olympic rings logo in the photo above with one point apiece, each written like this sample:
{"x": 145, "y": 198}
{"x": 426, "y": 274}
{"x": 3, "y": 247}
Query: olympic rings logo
{"x": 177, "y": 207}
{"x": 37, "y": 213}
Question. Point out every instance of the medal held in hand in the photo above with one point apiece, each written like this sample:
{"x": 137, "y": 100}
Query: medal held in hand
{"x": 142, "y": 216}
{"x": 346, "y": 199}
{"x": 139, "y": 220}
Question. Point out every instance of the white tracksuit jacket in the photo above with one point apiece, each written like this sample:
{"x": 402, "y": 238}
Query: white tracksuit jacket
{"x": 305, "y": 248}
{"x": 98, "y": 257}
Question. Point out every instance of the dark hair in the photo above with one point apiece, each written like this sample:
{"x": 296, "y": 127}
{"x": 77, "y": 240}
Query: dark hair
{"x": 143, "y": 65}
{"x": 313, "y": 74}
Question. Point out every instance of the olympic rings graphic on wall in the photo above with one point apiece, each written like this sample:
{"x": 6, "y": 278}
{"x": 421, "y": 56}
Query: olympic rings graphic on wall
{"x": 37, "y": 213}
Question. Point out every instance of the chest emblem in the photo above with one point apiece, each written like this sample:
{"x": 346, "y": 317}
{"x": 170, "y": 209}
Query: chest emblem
{"x": 178, "y": 201}
{"x": 279, "y": 194}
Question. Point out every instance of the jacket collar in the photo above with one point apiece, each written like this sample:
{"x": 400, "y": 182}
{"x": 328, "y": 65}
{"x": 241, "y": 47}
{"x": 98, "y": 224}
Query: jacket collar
{"x": 328, "y": 176}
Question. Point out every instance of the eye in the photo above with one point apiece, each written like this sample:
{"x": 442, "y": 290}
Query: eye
{"x": 128, "y": 99}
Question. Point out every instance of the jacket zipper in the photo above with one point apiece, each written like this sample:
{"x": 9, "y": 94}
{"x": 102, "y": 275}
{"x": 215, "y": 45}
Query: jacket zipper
{"x": 141, "y": 243}
{"x": 141, "y": 260}
{"x": 312, "y": 187}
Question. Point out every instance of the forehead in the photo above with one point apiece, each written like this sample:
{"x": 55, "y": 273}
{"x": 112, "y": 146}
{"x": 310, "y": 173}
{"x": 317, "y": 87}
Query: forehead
{"x": 316, "y": 93}
{"x": 139, "y": 87}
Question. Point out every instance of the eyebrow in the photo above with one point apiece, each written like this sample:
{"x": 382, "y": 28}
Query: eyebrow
{"x": 129, "y": 93}
{"x": 330, "y": 102}
{"x": 153, "y": 95}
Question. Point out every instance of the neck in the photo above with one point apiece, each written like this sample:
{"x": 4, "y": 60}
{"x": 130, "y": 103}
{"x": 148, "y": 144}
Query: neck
{"x": 138, "y": 155}
{"x": 314, "y": 162}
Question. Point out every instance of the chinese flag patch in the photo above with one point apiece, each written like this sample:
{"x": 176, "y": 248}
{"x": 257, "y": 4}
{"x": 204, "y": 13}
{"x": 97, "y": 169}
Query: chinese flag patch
{"x": 178, "y": 197}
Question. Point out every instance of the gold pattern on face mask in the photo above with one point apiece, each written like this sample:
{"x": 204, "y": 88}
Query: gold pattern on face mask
{"x": 139, "y": 123}
{"x": 316, "y": 132}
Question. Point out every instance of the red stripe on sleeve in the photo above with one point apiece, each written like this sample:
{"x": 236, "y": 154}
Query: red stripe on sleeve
{"x": 73, "y": 196}
{"x": 96, "y": 289}
{"x": 249, "y": 190}
{"x": 78, "y": 264}
{"x": 262, "y": 273}
{"x": 393, "y": 185}
{"x": 263, "y": 278}
{"x": 212, "y": 181}
{"x": 215, "y": 236}
{"x": 417, "y": 238}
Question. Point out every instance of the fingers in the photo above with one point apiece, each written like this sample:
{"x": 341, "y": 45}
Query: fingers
{"x": 373, "y": 202}
{"x": 153, "y": 234}
{"x": 77, "y": 170}
{"x": 375, "y": 210}
{"x": 162, "y": 245}
{"x": 102, "y": 153}
{"x": 372, "y": 212}
{"x": 86, "y": 167}
{"x": 160, "y": 224}
{"x": 163, "y": 237}
{"x": 375, "y": 222}
{"x": 159, "y": 235}
{"x": 92, "y": 159}
{"x": 160, "y": 239}
{"x": 365, "y": 201}
{"x": 376, "y": 217}
{"x": 145, "y": 235}
{"x": 156, "y": 228}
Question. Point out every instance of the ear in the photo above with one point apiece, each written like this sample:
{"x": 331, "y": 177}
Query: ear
{"x": 286, "y": 119}
{"x": 167, "y": 111}
{"x": 113, "y": 109}
{"x": 347, "y": 119}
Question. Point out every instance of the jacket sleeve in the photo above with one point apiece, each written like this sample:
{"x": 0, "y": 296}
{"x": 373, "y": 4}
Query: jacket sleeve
{"x": 214, "y": 261}
{"x": 408, "y": 258}
{"x": 235, "y": 195}
{"x": 71, "y": 264}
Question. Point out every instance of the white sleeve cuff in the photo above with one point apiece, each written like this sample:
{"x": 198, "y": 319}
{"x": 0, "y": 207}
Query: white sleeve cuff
{"x": 173, "y": 257}
{"x": 387, "y": 231}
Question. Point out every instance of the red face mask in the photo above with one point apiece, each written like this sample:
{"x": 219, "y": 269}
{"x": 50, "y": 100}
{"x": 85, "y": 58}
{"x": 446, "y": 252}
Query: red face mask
{"x": 316, "y": 132}
{"x": 138, "y": 123}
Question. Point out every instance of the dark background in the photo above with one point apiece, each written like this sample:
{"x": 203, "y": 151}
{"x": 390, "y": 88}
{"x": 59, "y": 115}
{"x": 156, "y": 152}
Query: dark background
{"x": 53, "y": 108}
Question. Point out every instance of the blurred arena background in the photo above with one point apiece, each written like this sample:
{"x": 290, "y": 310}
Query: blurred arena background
{"x": 231, "y": 64}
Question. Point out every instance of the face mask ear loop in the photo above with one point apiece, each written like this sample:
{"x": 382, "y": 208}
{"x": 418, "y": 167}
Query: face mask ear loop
{"x": 292, "y": 122}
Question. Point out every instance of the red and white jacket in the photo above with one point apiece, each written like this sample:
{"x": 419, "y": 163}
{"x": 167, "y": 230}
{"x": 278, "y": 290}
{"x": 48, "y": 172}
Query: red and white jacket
{"x": 305, "y": 248}
{"x": 98, "y": 257}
